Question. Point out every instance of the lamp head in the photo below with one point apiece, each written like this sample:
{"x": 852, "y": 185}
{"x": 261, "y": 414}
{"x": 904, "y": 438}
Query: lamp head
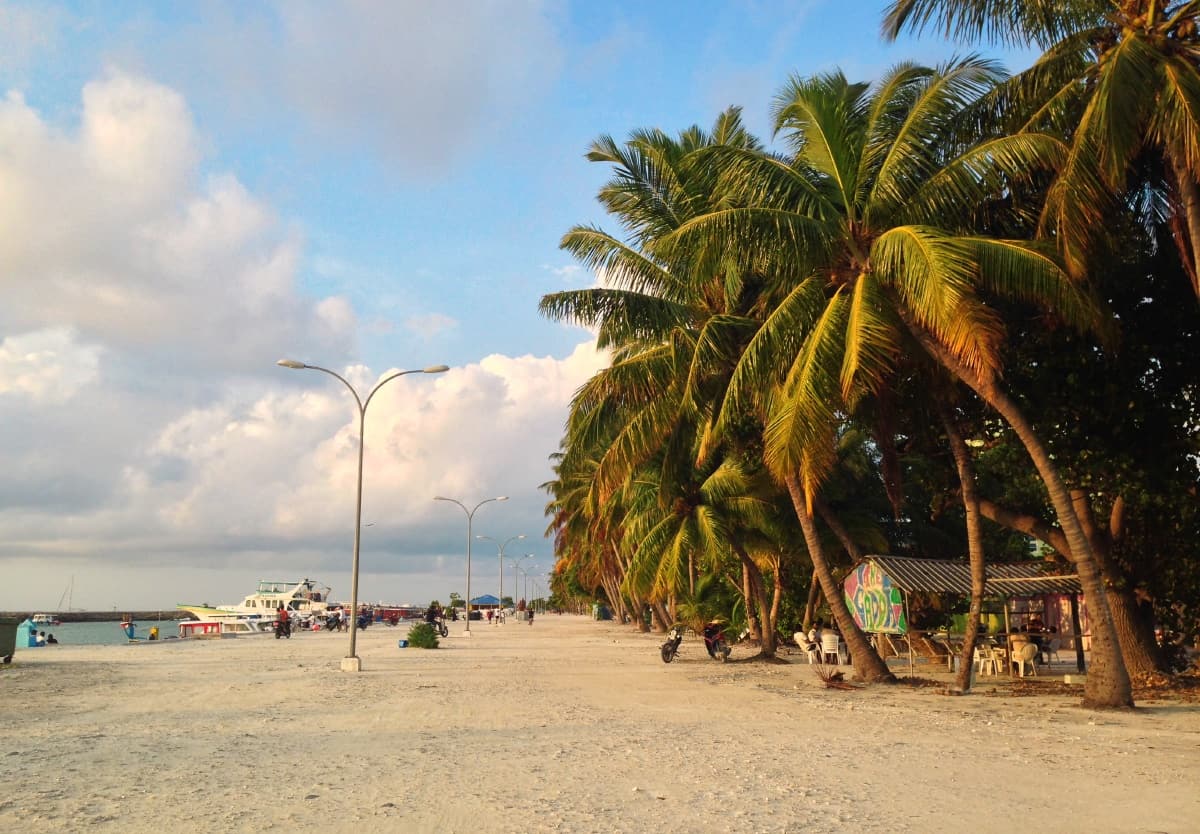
{"x": 435, "y": 369}
{"x": 502, "y": 498}
{"x": 291, "y": 363}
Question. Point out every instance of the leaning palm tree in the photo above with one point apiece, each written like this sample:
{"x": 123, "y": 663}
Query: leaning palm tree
{"x": 674, "y": 323}
{"x": 870, "y": 225}
{"x": 1119, "y": 77}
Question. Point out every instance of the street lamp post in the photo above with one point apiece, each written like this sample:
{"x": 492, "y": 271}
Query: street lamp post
{"x": 470, "y": 515}
{"x": 500, "y": 597}
{"x": 515, "y": 563}
{"x": 525, "y": 574}
{"x": 352, "y": 663}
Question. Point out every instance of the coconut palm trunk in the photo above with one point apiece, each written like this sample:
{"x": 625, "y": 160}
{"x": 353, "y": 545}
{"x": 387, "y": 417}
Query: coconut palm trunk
{"x": 810, "y": 608}
{"x": 751, "y": 609}
{"x": 868, "y": 666}
{"x": 1108, "y": 683}
{"x": 758, "y": 599}
{"x": 1189, "y": 203}
{"x": 970, "y": 498}
{"x": 1135, "y": 632}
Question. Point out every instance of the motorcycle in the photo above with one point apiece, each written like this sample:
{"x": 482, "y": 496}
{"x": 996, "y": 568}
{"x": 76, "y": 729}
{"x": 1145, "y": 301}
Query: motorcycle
{"x": 671, "y": 647}
{"x": 714, "y": 643}
{"x": 439, "y": 625}
{"x": 283, "y": 628}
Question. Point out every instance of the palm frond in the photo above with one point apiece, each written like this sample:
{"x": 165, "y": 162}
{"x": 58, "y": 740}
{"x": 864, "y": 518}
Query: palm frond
{"x": 872, "y": 341}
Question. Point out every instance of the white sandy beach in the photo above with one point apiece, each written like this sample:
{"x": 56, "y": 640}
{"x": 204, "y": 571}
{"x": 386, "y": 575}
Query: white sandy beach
{"x": 566, "y": 726}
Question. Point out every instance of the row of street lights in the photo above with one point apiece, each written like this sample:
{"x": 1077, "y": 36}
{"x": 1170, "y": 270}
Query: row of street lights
{"x": 500, "y": 594}
{"x": 352, "y": 663}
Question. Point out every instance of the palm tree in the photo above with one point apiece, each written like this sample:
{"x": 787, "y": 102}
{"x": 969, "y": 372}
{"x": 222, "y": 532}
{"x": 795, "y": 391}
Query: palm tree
{"x": 1120, "y": 77}
{"x": 674, "y": 322}
{"x": 869, "y": 222}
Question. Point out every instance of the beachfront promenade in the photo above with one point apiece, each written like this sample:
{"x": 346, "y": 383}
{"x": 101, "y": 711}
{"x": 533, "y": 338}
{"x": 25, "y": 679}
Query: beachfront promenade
{"x": 566, "y": 726}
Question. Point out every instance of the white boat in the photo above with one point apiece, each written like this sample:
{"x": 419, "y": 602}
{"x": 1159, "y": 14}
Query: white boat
{"x": 256, "y": 613}
{"x": 45, "y": 619}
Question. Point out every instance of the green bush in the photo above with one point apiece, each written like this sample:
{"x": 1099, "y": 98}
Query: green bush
{"x": 422, "y": 636}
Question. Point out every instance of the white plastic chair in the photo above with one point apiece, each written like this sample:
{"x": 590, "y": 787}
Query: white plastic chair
{"x": 831, "y": 644}
{"x": 808, "y": 648}
{"x": 1025, "y": 654}
{"x": 987, "y": 661}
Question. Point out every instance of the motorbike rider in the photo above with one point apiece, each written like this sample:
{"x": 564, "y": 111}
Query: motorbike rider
{"x": 433, "y": 613}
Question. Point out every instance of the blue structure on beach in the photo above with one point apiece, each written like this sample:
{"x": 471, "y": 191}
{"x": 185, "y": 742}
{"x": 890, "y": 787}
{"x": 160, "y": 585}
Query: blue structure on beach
{"x": 27, "y": 634}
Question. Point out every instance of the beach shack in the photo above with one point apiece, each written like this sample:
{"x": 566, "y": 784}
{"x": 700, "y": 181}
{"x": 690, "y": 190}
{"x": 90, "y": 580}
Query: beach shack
{"x": 484, "y": 603}
{"x": 877, "y": 593}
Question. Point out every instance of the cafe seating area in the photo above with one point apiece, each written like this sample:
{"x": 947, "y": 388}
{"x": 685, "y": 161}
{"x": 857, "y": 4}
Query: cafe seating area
{"x": 1020, "y": 654}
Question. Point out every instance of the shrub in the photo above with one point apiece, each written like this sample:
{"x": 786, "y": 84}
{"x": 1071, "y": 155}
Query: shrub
{"x": 422, "y": 636}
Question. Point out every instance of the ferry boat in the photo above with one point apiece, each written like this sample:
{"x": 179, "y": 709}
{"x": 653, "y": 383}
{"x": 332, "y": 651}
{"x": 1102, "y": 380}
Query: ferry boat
{"x": 256, "y": 613}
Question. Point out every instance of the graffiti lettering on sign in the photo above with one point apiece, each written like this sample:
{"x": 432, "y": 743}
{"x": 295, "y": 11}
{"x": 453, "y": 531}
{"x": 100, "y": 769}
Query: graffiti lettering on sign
{"x": 877, "y": 604}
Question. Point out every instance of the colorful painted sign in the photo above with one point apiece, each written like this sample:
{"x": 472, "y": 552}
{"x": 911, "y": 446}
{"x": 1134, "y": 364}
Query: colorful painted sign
{"x": 877, "y": 604}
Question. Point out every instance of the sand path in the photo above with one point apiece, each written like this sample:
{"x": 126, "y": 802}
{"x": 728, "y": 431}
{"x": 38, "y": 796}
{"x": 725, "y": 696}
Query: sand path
{"x": 566, "y": 726}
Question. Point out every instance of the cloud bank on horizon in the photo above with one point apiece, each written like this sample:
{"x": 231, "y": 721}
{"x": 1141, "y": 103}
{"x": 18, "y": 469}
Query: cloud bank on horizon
{"x": 150, "y": 432}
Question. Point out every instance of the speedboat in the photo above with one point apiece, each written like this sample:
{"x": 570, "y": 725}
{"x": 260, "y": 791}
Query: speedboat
{"x": 226, "y": 626}
{"x": 256, "y": 613}
{"x": 45, "y": 619}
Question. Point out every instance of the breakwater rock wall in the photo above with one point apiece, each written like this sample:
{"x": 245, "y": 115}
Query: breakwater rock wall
{"x": 104, "y": 616}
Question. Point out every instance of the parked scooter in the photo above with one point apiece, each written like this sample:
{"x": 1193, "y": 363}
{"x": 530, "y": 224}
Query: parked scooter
{"x": 714, "y": 643}
{"x": 671, "y": 647}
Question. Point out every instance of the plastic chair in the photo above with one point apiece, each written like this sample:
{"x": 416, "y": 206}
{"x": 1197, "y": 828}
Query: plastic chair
{"x": 831, "y": 645}
{"x": 1023, "y": 654}
{"x": 987, "y": 661}
{"x": 809, "y": 649}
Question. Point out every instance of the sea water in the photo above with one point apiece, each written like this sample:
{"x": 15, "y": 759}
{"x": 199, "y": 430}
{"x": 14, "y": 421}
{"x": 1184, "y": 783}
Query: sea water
{"x": 108, "y": 633}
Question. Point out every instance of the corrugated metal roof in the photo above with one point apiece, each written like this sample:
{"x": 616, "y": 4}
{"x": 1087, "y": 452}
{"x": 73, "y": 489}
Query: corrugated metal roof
{"x": 945, "y": 576}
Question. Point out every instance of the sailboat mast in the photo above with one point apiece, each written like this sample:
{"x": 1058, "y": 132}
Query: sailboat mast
{"x": 67, "y": 594}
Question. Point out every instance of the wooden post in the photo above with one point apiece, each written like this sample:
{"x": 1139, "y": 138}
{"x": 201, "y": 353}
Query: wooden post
{"x": 1075, "y": 627}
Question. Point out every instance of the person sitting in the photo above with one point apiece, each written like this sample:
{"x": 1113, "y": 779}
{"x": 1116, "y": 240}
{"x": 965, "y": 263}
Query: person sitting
{"x": 809, "y": 642}
{"x": 41, "y": 638}
{"x": 50, "y": 640}
{"x": 433, "y": 613}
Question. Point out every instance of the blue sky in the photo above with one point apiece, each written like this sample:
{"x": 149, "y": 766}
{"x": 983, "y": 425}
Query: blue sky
{"x": 192, "y": 191}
